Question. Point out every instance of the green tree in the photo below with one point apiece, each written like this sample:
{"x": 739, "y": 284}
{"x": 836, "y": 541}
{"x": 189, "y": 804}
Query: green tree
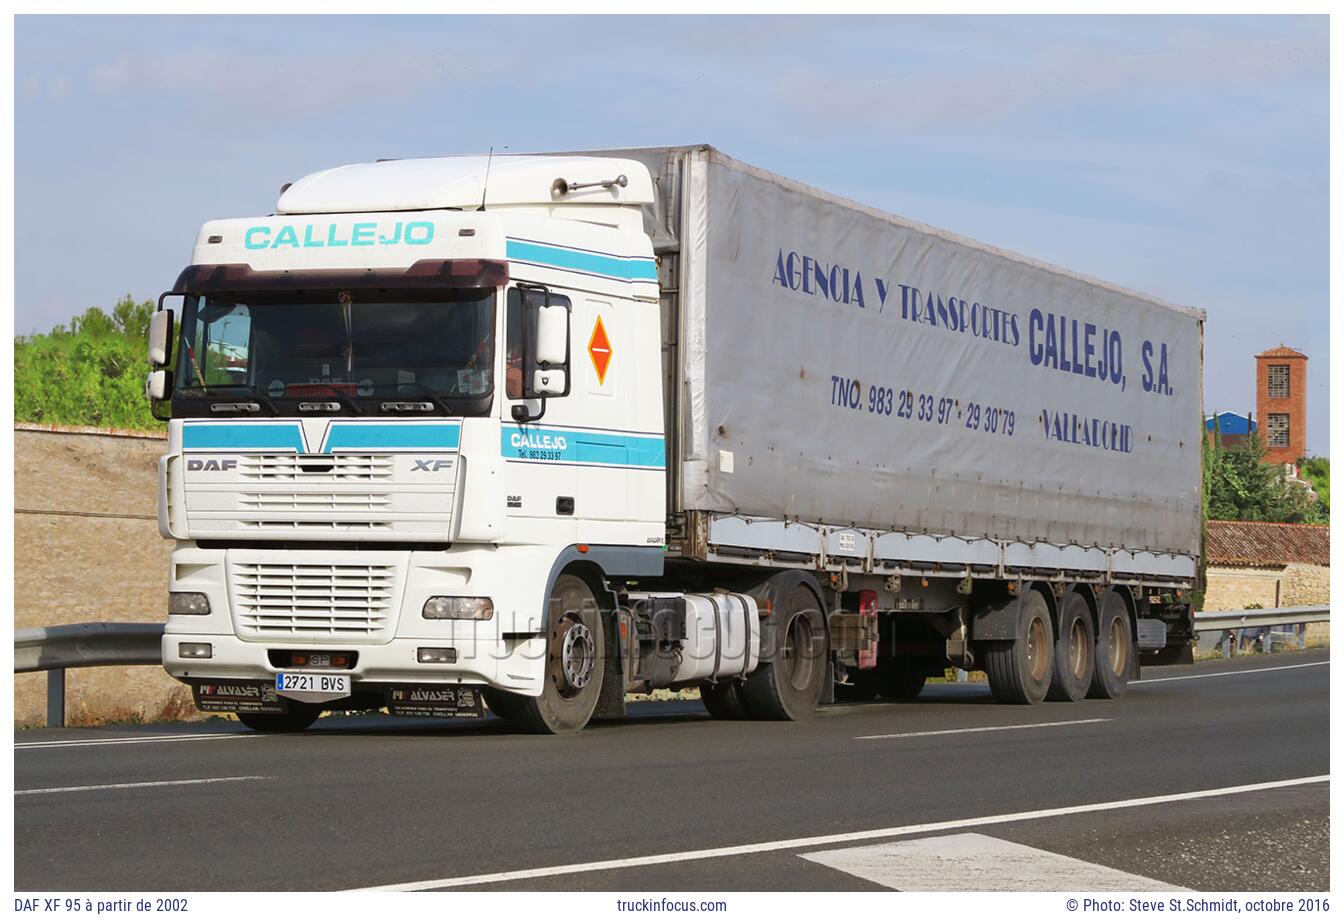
{"x": 90, "y": 372}
{"x": 1242, "y": 487}
{"x": 1316, "y": 470}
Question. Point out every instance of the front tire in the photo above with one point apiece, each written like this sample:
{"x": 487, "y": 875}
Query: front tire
{"x": 1074, "y": 651}
{"x": 574, "y": 657}
{"x": 299, "y": 717}
{"x": 789, "y": 686}
{"x": 1019, "y": 670}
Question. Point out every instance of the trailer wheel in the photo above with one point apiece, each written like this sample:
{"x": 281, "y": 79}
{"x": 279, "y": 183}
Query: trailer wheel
{"x": 1019, "y": 670}
{"x": 1115, "y": 649}
{"x": 788, "y": 686}
{"x": 1074, "y": 651}
{"x": 299, "y": 717}
{"x": 724, "y": 700}
{"x": 899, "y": 679}
{"x": 573, "y": 679}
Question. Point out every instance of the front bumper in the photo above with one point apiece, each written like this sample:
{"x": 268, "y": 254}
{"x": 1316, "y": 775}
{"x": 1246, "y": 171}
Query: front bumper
{"x": 508, "y": 664}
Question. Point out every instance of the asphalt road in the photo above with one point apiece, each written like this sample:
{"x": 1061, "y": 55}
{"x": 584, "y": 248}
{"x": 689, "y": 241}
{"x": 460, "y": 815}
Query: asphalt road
{"x": 377, "y": 801}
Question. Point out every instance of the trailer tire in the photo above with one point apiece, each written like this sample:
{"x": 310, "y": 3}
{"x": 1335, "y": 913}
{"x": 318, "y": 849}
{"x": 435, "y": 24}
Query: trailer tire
{"x": 299, "y": 717}
{"x": 1019, "y": 670}
{"x": 1115, "y": 649}
{"x": 724, "y": 700}
{"x": 573, "y": 679}
{"x": 787, "y": 687}
{"x": 1075, "y": 651}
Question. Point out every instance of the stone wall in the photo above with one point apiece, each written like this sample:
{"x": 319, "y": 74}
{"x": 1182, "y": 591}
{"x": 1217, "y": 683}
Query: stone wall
{"x": 1238, "y": 588}
{"x": 87, "y": 549}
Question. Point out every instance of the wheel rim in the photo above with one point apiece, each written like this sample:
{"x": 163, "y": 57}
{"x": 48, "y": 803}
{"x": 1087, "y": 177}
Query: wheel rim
{"x": 574, "y": 655}
{"x": 1118, "y": 653}
{"x": 1036, "y": 657}
{"x": 798, "y": 658}
{"x": 1078, "y": 648}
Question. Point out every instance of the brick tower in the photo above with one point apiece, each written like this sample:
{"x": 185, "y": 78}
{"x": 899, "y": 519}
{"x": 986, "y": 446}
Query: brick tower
{"x": 1281, "y": 403}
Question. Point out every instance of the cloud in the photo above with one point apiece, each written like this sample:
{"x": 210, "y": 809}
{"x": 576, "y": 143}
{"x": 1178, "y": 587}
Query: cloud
{"x": 1060, "y": 72}
{"x": 288, "y": 84}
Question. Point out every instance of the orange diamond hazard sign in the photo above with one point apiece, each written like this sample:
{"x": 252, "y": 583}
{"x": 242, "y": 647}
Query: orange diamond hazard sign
{"x": 599, "y": 349}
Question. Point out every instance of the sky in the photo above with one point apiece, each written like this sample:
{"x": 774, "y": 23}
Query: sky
{"x": 1185, "y": 157}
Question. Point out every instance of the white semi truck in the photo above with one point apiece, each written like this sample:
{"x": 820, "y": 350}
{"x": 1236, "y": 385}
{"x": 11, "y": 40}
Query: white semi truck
{"x": 532, "y": 432}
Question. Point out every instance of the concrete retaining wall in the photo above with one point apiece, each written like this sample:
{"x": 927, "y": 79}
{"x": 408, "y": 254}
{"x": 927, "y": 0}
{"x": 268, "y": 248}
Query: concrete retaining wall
{"x": 86, "y": 549}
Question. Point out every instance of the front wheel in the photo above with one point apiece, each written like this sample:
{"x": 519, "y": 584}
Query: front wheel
{"x": 299, "y": 717}
{"x": 573, "y": 679}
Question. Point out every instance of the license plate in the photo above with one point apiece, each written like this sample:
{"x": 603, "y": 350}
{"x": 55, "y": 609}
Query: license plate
{"x": 312, "y": 688}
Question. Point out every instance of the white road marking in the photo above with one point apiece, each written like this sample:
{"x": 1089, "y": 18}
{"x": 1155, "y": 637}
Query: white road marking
{"x": 980, "y": 728}
{"x": 1282, "y": 667}
{"x": 148, "y": 739}
{"x": 979, "y": 863}
{"x": 802, "y": 842}
{"x": 164, "y": 782}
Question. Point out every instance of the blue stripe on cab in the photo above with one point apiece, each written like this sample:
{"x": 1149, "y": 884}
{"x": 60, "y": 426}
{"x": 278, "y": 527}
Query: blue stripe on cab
{"x": 634, "y": 268}
{"x": 560, "y": 445}
{"x": 373, "y": 435}
{"x": 245, "y": 436}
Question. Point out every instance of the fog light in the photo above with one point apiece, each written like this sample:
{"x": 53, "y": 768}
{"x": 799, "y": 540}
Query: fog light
{"x": 194, "y": 649}
{"x": 188, "y": 602}
{"x": 458, "y": 608}
{"x": 436, "y": 655}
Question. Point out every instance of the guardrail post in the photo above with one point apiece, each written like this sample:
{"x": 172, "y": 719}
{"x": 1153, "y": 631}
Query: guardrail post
{"x": 56, "y": 698}
{"x": 1227, "y": 643}
{"x": 1301, "y": 635}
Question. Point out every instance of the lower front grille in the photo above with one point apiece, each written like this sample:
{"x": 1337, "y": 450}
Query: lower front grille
{"x": 275, "y": 599}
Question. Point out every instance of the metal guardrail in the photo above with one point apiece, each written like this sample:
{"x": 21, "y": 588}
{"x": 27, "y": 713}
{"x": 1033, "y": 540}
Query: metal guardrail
{"x": 1229, "y": 621}
{"x": 86, "y": 645}
{"x": 83, "y": 645}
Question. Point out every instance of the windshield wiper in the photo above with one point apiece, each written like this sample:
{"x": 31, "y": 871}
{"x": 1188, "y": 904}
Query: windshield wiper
{"x": 433, "y": 396}
{"x": 253, "y": 391}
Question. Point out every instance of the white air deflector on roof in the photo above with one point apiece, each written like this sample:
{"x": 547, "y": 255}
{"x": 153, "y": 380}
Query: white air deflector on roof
{"x": 458, "y": 182}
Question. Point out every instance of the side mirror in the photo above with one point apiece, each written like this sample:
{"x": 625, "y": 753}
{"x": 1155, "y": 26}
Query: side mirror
{"x": 548, "y": 382}
{"x": 160, "y": 338}
{"x": 552, "y": 335}
{"x": 156, "y": 385}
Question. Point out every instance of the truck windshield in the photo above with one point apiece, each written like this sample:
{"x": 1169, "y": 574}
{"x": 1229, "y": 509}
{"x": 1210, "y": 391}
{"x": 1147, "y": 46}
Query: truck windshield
{"x": 359, "y": 347}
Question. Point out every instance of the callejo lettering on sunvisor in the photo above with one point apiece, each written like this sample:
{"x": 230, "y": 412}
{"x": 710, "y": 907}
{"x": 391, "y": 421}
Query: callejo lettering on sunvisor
{"x": 313, "y": 236}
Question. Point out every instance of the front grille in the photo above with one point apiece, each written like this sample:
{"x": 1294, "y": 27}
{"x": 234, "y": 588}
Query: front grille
{"x": 316, "y": 468}
{"x": 315, "y": 501}
{"x": 304, "y": 599}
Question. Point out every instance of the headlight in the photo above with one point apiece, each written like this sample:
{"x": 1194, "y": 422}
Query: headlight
{"x": 458, "y": 608}
{"x": 188, "y": 602}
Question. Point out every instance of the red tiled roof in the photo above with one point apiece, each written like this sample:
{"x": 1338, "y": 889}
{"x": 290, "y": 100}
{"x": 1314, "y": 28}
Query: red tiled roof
{"x": 1259, "y": 543}
{"x": 1283, "y": 351}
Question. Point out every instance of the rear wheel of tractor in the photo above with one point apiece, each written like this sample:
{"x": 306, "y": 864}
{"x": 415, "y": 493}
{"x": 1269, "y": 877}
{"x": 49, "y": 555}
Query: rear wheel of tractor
{"x": 724, "y": 700}
{"x": 1115, "y": 649}
{"x": 299, "y": 717}
{"x": 1074, "y": 651}
{"x": 789, "y": 685}
{"x": 1019, "y": 670}
{"x": 573, "y": 679}
{"x": 899, "y": 679}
